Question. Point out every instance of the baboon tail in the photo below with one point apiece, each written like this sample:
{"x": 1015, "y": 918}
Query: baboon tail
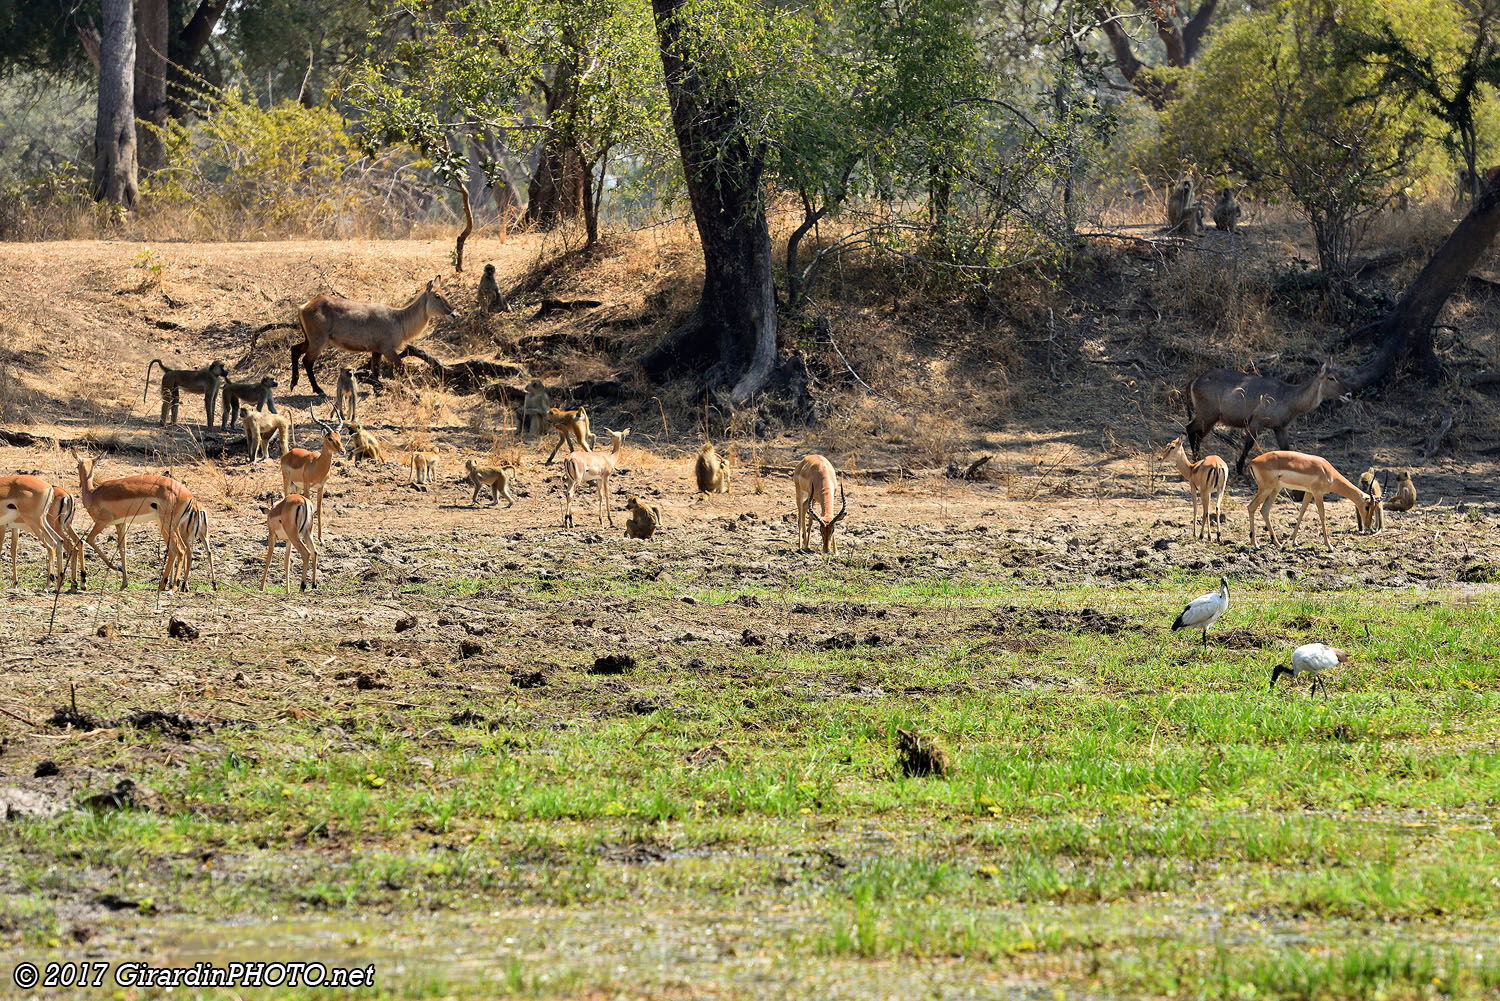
{"x": 147, "y": 391}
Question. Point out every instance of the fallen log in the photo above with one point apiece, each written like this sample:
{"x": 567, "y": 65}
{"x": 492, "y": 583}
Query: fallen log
{"x": 550, "y": 306}
{"x": 207, "y": 449}
{"x": 472, "y": 374}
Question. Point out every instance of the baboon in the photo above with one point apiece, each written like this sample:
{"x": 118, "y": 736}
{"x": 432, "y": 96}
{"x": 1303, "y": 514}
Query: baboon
{"x": 1406, "y": 494}
{"x": 260, "y": 428}
{"x": 204, "y": 382}
{"x": 1370, "y": 485}
{"x": 364, "y": 445}
{"x": 423, "y": 466}
{"x": 711, "y": 470}
{"x": 1226, "y": 210}
{"x": 258, "y": 393}
{"x": 570, "y": 425}
{"x": 1183, "y": 210}
{"x": 645, "y": 519}
{"x": 497, "y": 478}
{"x": 490, "y": 299}
{"x": 1403, "y": 199}
{"x": 345, "y": 391}
{"x": 534, "y": 409}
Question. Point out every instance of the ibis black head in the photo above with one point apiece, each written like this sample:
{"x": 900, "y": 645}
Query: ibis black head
{"x": 1278, "y": 672}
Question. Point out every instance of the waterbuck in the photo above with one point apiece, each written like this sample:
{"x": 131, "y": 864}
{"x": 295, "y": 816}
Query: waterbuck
{"x": 1254, "y": 402}
{"x": 363, "y": 326}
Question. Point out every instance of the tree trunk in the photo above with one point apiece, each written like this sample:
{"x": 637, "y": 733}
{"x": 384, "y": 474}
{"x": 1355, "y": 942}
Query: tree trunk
{"x": 184, "y": 50}
{"x": 458, "y": 248}
{"x": 732, "y": 333}
{"x": 558, "y": 189}
{"x": 114, "y": 130}
{"x": 1406, "y": 332}
{"x": 151, "y": 42}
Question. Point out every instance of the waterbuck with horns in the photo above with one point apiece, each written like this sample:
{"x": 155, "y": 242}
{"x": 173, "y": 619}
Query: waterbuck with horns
{"x": 363, "y": 326}
{"x": 1254, "y": 402}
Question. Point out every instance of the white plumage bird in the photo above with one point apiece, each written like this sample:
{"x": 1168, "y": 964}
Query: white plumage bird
{"x": 1313, "y": 659}
{"x": 1204, "y": 610}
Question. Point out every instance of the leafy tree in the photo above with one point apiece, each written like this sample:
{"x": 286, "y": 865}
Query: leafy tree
{"x": 1449, "y": 77}
{"x": 1181, "y": 36}
{"x": 461, "y": 88}
{"x": 1273, "y": 100}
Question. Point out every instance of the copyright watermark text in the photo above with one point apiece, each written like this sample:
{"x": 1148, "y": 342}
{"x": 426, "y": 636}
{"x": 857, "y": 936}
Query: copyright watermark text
{"x": 136, "y": 974}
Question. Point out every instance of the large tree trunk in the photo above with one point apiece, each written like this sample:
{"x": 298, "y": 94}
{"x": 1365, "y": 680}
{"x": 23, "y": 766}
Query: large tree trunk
{"x": 1406, "y": 332}
{"x": 184, "y": 49}
{"x": 114, "y": 130}
{"x": 559, "y": 187}
{"x": 732, "y": 333}
{"x": 151, "y": 43}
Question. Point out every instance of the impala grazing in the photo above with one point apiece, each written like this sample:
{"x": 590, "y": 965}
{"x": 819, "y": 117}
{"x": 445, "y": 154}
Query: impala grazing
{"x": 1206, "y": 477}
{"x": 589, "y": 467}
{"x": 125, "y": 501}
{"x": 26, "y": 501}
{"x": 1311, "y": 474}
{"x": 815, "y": 480}
{"x": 308, "y": 470}
{"x": 60, "y": 519}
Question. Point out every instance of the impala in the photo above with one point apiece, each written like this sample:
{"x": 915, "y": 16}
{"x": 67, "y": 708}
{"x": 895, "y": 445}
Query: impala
{"x": 192, "y": 530}
{"x": 815, "y": 479}
{"x": 1311, "y": 474}
{"x": 1205, "y": 477}
{"x": 290, "y": 519}
{"x": 309, "y": 470}
{"x": 25, "y": 501}
{"x": 123, "y": 502}
{"x": 589, "y": 467}
{"x": 60, "y": 519}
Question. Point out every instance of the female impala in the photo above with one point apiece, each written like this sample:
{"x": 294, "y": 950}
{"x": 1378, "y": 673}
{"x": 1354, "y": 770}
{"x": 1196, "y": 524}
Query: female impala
{"x": 122, "y": 502}
{"x": 587, "y": 467}
{"x": 60, "y": 519}
{"x": 24, "y": 501}
{"x": 309, "y": 470}
{"x": 290, "y": 519}
{"x": 1311, "y": 474}
{"x": 1205, "y": 477}
{"x": 192, "y": 530}
{"x": 815, "y": 480}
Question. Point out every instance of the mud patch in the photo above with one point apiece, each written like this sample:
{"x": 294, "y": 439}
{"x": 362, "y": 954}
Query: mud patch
{"x": 1014, "y": 618}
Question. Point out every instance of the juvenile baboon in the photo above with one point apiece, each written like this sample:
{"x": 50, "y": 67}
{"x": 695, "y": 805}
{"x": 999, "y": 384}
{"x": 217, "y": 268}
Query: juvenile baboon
{"x": 490, "y": 299}
{"x": 1183, "y": 210}
{"x": 497, "y": 478}
{"x": 711, "y": 470}
{"x": 534, "y": 409}
{"x": 364, "y": 445}
{"x": 257, "y": 393}
{"x": 645, "y": 519}
{"x": 1370, "y": 485}
{"x": 260, "y": 428}
{"x": 345, "y": 391}
{"x": 423, "y": 466}
{"x": 204, "y": 382}
{"x": 1406, "y": 494}
{"x": 1226, "y": 210}
{"x": 570, "y": 425}
{"x": 1403, "y": 199}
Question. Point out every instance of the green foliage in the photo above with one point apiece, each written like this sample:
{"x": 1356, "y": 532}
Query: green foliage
{"x": 1273, "y": 100}
{"x": 583, "y": 75}
{"x": 284, "y": 169}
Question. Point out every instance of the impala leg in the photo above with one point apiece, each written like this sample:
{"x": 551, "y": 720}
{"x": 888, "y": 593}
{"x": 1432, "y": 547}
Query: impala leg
{"x": 1306, "y": 500}
{"x": 1323, "y": 520}
{"x": 270, "y": 548}
{"x": 320, "y": 518}
{"x": 286, "y": 563}
{"x": 208, "y": 554}
{"x": 14, "y": 537}
{"x": 120, "y": 546}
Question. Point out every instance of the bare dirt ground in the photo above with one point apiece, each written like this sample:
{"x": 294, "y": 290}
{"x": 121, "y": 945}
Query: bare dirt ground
{"x": 435, "y": 615}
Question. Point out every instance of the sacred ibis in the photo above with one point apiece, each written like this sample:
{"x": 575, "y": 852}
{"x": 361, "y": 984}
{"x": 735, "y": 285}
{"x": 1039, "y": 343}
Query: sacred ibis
{"x": 1313, "y": 659}
{"x": 1204, "y": 610}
